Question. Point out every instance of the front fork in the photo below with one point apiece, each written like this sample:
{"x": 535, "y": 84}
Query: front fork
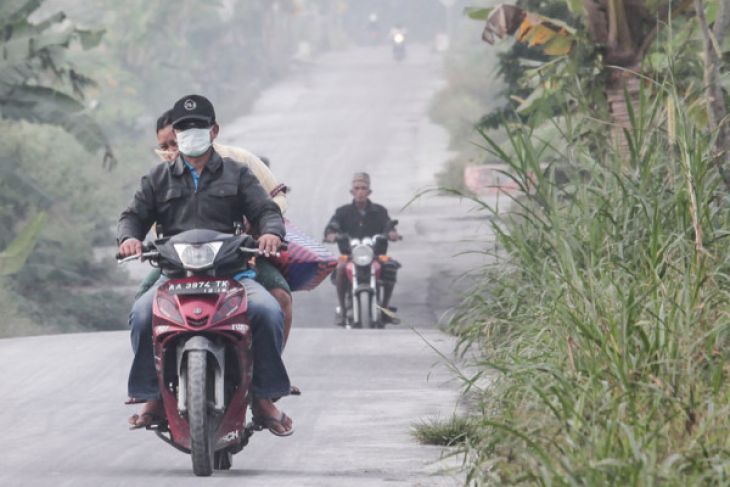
{"x": 355, "y": 298}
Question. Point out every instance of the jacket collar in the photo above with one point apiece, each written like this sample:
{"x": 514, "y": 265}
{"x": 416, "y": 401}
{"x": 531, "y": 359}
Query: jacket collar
{"x": 213, "y": 165}
{"x": 368, "y": 205}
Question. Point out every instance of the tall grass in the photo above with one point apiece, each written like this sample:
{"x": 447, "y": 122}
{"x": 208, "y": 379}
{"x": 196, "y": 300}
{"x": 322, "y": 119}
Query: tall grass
{"x": 605, "y": 325}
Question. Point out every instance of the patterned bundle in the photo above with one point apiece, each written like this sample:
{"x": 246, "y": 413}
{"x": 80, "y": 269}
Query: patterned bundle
{"x": 306, "y": 262}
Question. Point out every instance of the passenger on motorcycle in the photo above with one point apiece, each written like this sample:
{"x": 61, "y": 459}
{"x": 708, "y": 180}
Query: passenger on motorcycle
{"x": 201, "y": 189}
{"x": 360, "y": 219}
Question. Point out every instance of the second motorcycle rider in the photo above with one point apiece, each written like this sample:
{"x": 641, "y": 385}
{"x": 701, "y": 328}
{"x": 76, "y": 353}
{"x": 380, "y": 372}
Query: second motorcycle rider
{"x": 362, "y": 218}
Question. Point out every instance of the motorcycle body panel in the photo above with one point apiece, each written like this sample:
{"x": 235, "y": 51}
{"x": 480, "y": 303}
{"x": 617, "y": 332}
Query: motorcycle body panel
{"x": 216, "y": 322}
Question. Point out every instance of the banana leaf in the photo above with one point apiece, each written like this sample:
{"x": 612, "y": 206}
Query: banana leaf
{"x": 13, "y": 11}
{"x": 39, "y": 104}
{"x": 29, "y": 52}
{"x": 13, "y": 258}
{"x": 553, "y": 36}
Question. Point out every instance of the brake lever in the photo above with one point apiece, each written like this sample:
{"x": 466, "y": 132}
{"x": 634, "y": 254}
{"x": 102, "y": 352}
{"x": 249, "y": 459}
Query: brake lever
{"x": 141, "y": 257}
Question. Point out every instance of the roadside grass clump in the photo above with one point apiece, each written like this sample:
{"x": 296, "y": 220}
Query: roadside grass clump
{"x": 605, "y": 325}
{"x": 456, "y": 430}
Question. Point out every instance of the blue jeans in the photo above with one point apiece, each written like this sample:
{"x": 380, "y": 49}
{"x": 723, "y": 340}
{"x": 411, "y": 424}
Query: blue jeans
{"x": 270, "y": 379}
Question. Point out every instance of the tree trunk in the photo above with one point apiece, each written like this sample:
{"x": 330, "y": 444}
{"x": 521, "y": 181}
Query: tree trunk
{"x": 623, "y": 86}
{"x": 608, "y": 24}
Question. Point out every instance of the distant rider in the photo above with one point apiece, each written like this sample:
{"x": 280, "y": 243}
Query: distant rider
{"x": 360, "y": 219}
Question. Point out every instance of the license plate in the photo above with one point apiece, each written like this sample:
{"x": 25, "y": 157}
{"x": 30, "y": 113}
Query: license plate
{"x": 199, "y": 287}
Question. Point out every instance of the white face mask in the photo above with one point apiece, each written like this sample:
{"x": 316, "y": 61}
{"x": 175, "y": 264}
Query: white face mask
{"x": 193, "y": 142}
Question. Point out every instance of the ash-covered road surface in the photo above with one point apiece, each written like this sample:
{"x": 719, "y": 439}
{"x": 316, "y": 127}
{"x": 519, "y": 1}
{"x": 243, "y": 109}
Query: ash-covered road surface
{"x": 63, "y": 422}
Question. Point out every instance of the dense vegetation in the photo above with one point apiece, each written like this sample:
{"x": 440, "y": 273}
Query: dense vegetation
{"x": 601, "y": 332}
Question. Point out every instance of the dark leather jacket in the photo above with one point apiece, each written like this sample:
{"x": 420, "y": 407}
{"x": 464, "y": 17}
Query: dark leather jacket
{"x": 227, "y": 191}
{"x": 348, "y": 219}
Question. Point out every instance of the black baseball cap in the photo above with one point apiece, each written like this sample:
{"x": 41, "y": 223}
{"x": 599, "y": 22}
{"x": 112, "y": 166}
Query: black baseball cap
{"x": 193, "y": 108}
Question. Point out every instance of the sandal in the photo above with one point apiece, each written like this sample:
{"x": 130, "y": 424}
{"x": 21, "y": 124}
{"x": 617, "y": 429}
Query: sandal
{"x": 271, "y": 424}
{"x": 147, "y": 419}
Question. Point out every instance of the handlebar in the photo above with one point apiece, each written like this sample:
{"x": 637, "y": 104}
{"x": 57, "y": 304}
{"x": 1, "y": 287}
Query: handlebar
{"x": 141, "y": 257}
{"x": 255, "y": 251}
{"x": 344, "y": 236}
{"x": 148, "y": 253}
{"x": 247, "y": 250}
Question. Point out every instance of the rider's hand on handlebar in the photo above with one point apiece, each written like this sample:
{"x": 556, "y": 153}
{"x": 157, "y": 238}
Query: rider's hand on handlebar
{"x": 131, "y": 246}
{"x": 394, "y": 236}
{"x": 269, "y": 244}
{"x": 330, "y": 237}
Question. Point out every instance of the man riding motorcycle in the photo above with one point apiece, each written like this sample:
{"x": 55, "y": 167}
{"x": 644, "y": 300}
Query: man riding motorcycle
{"x": 360, "y": 219}
{"x": 266, "y": 274}
{"x": 201, "y": 189}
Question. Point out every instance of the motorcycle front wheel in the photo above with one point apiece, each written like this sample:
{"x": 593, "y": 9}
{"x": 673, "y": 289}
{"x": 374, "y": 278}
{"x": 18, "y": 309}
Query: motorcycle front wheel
{"x": 201, "y": 447}
{"x": 377, "y": 313}
{"x": 366, "y": 310}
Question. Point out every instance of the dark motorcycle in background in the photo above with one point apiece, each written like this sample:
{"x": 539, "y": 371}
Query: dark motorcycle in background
{"x": 399, "y": 46}
{"x": 202, "y": 345}
{"x": 364, "y": 297}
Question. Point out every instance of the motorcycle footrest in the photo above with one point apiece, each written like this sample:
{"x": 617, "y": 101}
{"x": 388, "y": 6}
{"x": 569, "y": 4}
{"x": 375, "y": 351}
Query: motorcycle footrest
{"x": 161, "y": 427}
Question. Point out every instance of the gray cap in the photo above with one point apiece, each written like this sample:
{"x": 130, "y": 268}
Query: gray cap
{"x": 361, "y": 176}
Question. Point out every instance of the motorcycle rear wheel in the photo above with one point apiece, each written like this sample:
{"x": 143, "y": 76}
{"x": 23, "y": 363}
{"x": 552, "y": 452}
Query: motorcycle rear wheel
{"x": 201, "y": 442}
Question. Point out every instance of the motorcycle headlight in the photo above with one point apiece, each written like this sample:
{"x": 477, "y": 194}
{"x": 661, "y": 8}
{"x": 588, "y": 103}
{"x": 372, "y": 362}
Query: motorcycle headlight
{"x": 197, "y": 257}
{"x": 399, "y": 38}
{"x": 362, "y": 255}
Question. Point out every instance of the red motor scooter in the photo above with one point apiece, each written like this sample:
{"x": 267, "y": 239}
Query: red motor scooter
{"x": 202, "y": 345}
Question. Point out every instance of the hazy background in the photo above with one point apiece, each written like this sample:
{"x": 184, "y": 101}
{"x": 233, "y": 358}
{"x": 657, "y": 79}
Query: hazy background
{"x": 150, "y": 54}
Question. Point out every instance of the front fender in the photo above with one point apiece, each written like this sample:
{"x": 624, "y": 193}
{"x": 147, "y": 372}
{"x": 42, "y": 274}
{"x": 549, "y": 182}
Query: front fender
{"x": 202, "y": 343}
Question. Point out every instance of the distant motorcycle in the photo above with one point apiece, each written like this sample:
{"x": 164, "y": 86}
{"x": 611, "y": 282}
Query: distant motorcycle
{"x": 202, "y": 345}
{"x": 363, "y": 300}
{"x": 399, "y": 46}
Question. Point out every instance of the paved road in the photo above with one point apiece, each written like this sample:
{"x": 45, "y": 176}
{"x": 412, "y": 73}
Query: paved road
{"x": 63, "y": 423}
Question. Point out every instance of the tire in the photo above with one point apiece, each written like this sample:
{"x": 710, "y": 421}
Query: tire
{"x": 377, "y": 313}
{"x": 366, "y": 310}
{"x": 350, "y": 318}
{"x": 357, "y": 314}
{"x": 223, "y": 460}
{"x": 201, "y": 447}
